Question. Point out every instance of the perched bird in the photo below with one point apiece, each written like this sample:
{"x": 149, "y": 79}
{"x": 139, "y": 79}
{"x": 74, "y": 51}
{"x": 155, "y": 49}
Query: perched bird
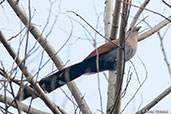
{"x": 107, "y": 60}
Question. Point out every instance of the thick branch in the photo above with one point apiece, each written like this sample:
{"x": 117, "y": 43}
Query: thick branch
{"x": 108, "y": 24}
{"x": 52, "y": 54}
{"x": 18, "y": 82}
{"x": 108, "y": 17}
{"x": 29, "y": 77}
{"x": 22, "y": 106}
{"x": 140, "y": 10}
{"x": 113, "y": 35}
{"x": 155, "y": 101}
{"x": 115, "y": 22}
{"x": 121, "y": 58}
{"x": 154, "y": 29}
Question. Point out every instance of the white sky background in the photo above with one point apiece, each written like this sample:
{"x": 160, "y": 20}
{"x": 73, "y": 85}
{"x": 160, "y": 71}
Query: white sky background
{"x": 149, "y": 50}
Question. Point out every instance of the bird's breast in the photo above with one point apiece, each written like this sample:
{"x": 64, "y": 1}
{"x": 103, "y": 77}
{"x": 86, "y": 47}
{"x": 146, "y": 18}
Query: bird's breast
{"x": 129, "y": 52}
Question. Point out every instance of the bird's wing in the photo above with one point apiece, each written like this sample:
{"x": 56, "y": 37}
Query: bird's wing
{"x": 104, "y": 48}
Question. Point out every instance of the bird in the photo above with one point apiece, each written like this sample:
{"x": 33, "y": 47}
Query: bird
{"x": 107, "y": 60}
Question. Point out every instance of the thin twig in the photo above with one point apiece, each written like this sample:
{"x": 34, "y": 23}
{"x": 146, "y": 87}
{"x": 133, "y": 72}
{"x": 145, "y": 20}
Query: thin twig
{"x": 28, "y": 75}
{"x": 150, "y": 11}
{"x": 51, "y": 52}
{"x": 166, "y": 3}
{"x": 72, "y": 101}
{"x": 154, "y": 29}
{"x": 164, "y": 53}
{"x": 129, "y": 76}
{"x": 155, "y": 101}
{"x": 137, "y": 15}
{"x": 2, "y": 1}
{"x": 22, "y": 106}
{"x": 121, "y": 59}
{"x": 140, "y": 84}
{"x": 93, "y": 28}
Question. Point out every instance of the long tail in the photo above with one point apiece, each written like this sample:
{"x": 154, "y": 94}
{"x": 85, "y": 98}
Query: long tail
{"x": 68, "y": 74}
{"x": 57, "y": 79}
{"x": 62, "y": 77}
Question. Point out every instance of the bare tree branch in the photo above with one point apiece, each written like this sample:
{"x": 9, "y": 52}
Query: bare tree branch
{"x": 137, "y": 15}
{"x": 154, "y": 29}
{"x": 52, "y": 54}
{"x": 168, "y": 90}
{"x": 120, "y": 61}
{"x": 140, "y": 83}
{"x": 155, "y": 101}
{"x": 22, "y": 106}
{"x": 115, "y": 23}
{"x": 24, "y": 70}
{"x": 121, "y": 58}
{"x": 93, "y": 28}
{"x": 154, "y": 12}
{"x": 35, "y": 32}
{"x": 108, "y": 17}
{"x": 164, "y": 53}
{"x": 108, "y": 26}
{"x": 113, "y": 35}
{"x": 166, "y": 3}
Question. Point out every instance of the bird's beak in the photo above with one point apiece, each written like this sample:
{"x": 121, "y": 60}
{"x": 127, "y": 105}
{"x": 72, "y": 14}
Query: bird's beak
{"x": 137, "y": 28}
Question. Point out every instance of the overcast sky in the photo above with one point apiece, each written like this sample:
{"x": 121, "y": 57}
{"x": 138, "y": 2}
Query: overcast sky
{"x": 80, "y": 45}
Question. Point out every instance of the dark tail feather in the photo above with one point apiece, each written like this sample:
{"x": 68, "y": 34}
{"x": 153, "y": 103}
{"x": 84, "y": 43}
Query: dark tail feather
{"x": 62, "y": 77}
{"x": 65, "y": 75}
{"x": 57, "y": 79}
